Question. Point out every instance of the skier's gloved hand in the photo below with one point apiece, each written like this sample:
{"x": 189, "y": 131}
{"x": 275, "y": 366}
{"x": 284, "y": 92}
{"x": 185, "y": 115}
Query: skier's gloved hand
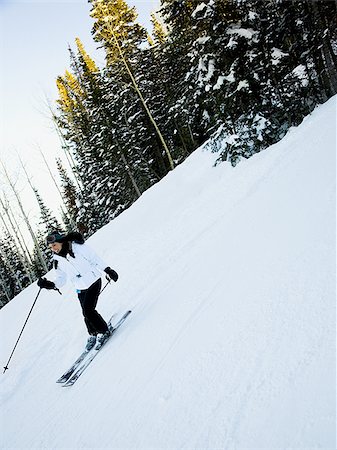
{"x": 111, "y": 274}
{"x": 43, "y": 283}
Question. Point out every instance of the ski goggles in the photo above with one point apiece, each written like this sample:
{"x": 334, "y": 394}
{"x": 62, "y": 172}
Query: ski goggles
{"x": 55, "y": 237}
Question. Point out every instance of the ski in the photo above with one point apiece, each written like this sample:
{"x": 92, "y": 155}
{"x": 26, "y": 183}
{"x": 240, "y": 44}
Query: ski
{"x": 72, "y": 369}
{"x": 92, "y": 355}
{"x": 65, "y": 377}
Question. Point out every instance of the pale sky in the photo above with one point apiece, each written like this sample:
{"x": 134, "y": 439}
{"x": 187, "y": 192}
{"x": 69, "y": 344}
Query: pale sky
{"x": 34, "y": 50}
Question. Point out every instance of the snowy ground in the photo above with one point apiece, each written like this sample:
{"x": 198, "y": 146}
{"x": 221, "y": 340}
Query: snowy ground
{"x": 230, "y": 274}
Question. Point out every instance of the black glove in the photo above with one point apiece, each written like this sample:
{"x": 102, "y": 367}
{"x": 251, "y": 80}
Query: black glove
{"x": 43, "y": 283}
{"x": 111, "y": 274}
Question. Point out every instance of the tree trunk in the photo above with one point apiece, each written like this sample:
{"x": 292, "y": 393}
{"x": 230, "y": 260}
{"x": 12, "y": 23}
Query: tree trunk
{"x": 23, "y": 260}
{"x": 17, "y": 233}
{"x": 43, "y": 262}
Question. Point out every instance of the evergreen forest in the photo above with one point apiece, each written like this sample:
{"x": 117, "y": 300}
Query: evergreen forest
{"x": 234, "y": 74}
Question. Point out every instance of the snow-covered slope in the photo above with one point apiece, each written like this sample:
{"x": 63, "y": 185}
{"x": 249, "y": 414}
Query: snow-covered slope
{"x": 230, "y": 345}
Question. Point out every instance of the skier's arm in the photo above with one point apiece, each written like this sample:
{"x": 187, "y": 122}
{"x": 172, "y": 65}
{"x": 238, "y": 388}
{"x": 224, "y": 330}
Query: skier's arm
{"x": 59, "y": 277}
{"x": 96, "y": 261}
{"x": 92, "y": 257}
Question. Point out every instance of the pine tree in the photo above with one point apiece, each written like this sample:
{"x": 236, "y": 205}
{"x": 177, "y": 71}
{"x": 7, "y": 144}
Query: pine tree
{"x": 121, "y": 36}
{"x": 47, "y": 219}
{"x": 12, "y": 272}
{"x": 88, "y": 61}
{"x": 276, "y": 71}
{"x": 70, "y": 196}
{"x": 80, "y": 102}
{"x": 198, "y": 61}
{"x": 159, "y": 31}
{"x": 41, "y": 247}
{"x": 6, "y": 283}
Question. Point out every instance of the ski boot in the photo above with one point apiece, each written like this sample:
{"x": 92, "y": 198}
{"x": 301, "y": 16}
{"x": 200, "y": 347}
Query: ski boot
{"x": 90, "y": 343}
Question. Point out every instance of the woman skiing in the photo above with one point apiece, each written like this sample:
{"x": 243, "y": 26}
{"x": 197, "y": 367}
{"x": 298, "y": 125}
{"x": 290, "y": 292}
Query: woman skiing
{"x": 74, "y": 260}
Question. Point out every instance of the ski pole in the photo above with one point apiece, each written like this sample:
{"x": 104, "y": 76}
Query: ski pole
{"x": 31, "y": 309}
{"x": 108, "y": 282}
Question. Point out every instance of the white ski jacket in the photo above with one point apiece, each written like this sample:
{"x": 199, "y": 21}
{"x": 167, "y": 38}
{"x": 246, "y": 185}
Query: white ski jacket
{"x": 82, "y": 271}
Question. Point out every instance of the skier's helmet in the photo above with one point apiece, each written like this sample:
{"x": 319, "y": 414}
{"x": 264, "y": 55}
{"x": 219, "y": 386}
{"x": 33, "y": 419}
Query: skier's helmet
{"x": 54, "y": 236}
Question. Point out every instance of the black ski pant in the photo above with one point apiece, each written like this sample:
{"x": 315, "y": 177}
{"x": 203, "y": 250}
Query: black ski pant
{"x": 88, "y": 299}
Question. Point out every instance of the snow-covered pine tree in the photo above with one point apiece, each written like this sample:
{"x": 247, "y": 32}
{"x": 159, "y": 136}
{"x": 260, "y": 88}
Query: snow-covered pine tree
{"x": 104, "y": 161}
{"x": 273, "y": 81}
{"x": 13, "y": 272}
{"x": 282, "y": 62}
{"x": 278, "y": 63}
{"x": 69, "y": 195}
{"x": 152, "y": 79}
{"x": 111, "y": 185}
{"x": 41, "y": 248}
{"x": 78, "y": 121}
{"x": 6, "y": 283}
{"x": 72, "y": 117}
{"x": 319, "y": 42}
{"x": 5, "y": 294}
{"x": 99, "y": 165}
{"x": 175, "y": 60}
{"x": 153, "y": 69}
{"x": 250, "y": 93}
{"x": 116, "y": 28}
{"x": 159, "y": 30}
{"x": 47, "y": 220}
{"x": 196, "y": 63}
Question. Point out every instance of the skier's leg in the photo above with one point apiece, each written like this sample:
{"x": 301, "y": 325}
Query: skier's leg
{"x": 82, "y": 298}
{"x": 88, "y": 298}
